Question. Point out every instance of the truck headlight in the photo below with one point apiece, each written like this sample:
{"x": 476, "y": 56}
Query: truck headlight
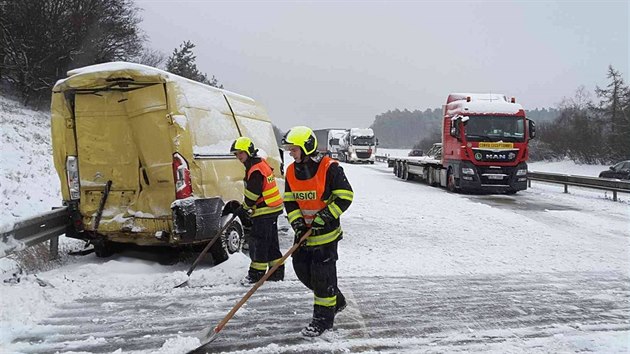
{"x": 468, "y": 171}
{"x": 521, "y": 172}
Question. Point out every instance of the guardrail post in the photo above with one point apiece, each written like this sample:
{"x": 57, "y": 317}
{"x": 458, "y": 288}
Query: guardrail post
{"x": 529, "y": 183}
{"x": 615, "y": 196}
{"x": 566, "y": 188}
{"x": 54, "y": 247}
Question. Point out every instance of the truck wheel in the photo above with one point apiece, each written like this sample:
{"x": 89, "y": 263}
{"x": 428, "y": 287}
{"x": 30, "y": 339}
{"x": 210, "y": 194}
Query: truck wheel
{"x": 395, "y": 165}
{"x": 372, "y": 162}
{"x": 430, "y": 177}
{"x": 399, "y": 169}
{"x": 405, "y": 172}
{"x": 450, "y": 181}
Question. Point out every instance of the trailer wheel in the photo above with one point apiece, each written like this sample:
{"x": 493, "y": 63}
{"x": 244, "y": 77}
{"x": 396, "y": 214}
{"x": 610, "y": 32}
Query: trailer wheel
{"x": 395, "y": 165}
{"x": 450, "y": 181}
{"x": 431, "y": 177}
{"x": 399, "y": 169}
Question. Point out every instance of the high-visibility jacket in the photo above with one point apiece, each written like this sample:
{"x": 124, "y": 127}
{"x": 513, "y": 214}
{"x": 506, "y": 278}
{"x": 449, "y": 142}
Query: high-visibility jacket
{"x": 308, "y": 194}
{"x": 270, "y": 201}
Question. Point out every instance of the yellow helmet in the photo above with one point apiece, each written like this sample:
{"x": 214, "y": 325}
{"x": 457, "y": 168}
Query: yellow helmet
{"x": 243, "y": 144}
{"x": 303, "y": 137}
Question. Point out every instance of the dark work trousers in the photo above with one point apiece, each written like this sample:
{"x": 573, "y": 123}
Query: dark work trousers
{"x": 316, "y": 267}
{"x": 263, "y": 244}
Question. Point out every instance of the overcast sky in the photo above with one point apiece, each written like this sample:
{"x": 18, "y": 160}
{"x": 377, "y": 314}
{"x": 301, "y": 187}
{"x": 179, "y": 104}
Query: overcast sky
{"x": 339, "y": 64}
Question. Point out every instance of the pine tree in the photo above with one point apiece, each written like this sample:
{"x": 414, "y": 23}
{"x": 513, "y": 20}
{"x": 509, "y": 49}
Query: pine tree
{"x": 614, "y": 109}
{"x": 182, "y": 63}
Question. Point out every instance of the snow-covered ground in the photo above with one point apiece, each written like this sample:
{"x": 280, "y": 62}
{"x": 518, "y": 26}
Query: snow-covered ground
{"x": 541, "y": 271}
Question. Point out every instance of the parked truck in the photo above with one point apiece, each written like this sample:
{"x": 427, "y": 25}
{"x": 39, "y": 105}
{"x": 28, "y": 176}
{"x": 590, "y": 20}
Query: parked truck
{"x": 144, "y": 158}
{"x": 484, "y": 146}
{"x": 358, "y": 145}
{"x": 328, "y": 141}
{"x": 334, "y": 137}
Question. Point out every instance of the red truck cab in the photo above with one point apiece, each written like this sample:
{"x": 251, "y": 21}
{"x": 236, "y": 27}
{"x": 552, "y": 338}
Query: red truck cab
{"x": 485, "y": 143}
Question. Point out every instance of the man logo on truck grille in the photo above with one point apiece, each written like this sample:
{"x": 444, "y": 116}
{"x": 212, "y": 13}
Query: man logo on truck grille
{"x": 305, "y": 195}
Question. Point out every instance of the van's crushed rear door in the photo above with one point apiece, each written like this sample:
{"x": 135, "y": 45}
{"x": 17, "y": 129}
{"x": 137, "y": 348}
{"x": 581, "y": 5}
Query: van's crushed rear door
{"x": 123, "y": 136}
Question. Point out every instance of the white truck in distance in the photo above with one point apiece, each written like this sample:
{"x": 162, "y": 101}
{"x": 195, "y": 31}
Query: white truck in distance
{"x": 358, "y": 145}
{"x": 334, "y": 136}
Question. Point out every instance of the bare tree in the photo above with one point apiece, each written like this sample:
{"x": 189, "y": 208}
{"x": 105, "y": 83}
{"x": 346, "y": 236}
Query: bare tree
{"x": 151, "y": 57}
{"x": 41, "y": 39}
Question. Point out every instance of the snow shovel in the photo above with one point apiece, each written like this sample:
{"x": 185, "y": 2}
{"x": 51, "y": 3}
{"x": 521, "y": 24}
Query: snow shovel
{"x": 207, "y": 248}
{"x": 212, "y": 333}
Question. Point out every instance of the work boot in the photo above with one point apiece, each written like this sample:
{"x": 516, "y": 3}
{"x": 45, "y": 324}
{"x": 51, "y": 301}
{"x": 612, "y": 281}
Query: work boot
{"x": 341, "y": 303}
{"x": 278, "y": 275}
{"x": 314, "y": 329}
{"x": 252, "y": 277}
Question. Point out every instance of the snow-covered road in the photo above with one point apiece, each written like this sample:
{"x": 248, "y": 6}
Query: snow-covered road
{"x": 425, "y": 271}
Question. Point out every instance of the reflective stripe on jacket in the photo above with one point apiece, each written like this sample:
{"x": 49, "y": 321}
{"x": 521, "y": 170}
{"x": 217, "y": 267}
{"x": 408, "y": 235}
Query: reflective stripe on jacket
{"x": 308, "y": 195}
{"x": 270, "y": 201}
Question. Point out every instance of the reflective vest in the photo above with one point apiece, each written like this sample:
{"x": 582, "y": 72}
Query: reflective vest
{"x": 308, "y": 195}
{"x": 270, "y": 201}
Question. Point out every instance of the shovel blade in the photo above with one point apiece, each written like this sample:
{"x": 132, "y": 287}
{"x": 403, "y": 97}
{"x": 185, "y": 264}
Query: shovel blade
{"x": 182, "y": 285}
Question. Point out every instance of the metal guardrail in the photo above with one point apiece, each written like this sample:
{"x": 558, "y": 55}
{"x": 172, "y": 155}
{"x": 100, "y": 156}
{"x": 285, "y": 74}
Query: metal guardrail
{"x": 381, "y": 158}
{"x": 34, "y": 230}
{"x": 612, "y": 185}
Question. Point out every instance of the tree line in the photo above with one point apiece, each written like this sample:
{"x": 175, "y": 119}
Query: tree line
{"x": 591, "y": 128}
{"x": 587, "y": 128}
{"x": 40, "y": 40}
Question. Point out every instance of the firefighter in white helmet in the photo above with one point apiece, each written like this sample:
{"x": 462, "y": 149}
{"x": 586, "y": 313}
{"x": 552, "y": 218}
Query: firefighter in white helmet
{"x": 317, "y": 192}
{"x": 263, "y": 203}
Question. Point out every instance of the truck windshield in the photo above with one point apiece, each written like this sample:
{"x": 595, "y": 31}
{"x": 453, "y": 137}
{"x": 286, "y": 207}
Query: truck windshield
{"x": 495, "y": 128}
{"x": 363, "y": 140}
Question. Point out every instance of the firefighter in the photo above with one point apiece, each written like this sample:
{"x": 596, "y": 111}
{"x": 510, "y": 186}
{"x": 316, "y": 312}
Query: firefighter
{"x": 316, "y": 194}
{"x": 263, "y": 204}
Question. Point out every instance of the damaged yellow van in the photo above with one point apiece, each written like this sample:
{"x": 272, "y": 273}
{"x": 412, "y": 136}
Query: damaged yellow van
{"x": 144, "y": 156}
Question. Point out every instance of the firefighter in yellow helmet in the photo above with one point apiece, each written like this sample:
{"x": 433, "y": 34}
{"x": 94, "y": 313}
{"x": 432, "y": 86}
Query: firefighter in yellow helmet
{"x": 317, "y": 192}
{"x": 263, "y": 203}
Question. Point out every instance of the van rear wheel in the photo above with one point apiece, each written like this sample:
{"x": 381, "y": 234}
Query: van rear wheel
{"x": 103, "y": 248}
{"x": 233, "y": 237}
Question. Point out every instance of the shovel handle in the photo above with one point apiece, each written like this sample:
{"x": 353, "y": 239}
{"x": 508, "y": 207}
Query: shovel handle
{"x": 258, "y": 284}
{"x": 214, "y": 239}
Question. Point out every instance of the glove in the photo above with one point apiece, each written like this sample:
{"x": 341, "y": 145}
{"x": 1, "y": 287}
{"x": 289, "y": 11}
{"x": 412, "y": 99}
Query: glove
{"x": 322, "y": 218}
{"x": 244, "y": 214}
{"x": 300, "y": 228}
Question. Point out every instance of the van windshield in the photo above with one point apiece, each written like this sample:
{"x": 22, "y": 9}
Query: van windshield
{"x": 495, "y": 128}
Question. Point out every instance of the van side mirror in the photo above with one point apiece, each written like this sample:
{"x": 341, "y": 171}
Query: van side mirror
{"x": 532, "y": 129}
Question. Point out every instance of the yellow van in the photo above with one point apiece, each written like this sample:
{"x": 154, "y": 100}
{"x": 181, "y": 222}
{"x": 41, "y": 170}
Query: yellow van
{"x": 143, "y": 156}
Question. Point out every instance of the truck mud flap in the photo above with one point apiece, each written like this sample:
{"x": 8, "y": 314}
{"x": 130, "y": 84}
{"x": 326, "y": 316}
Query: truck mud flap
{"x": 197, "y": 219}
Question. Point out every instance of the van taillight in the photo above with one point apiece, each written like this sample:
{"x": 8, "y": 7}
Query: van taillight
{"x": 72, "y": 177}
{"x": 181, "y": 175}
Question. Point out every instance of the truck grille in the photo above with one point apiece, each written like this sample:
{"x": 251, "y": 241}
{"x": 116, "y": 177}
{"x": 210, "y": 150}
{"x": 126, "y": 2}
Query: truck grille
{"x": 497, "y": 176}
{"x": 364, "y": 154}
